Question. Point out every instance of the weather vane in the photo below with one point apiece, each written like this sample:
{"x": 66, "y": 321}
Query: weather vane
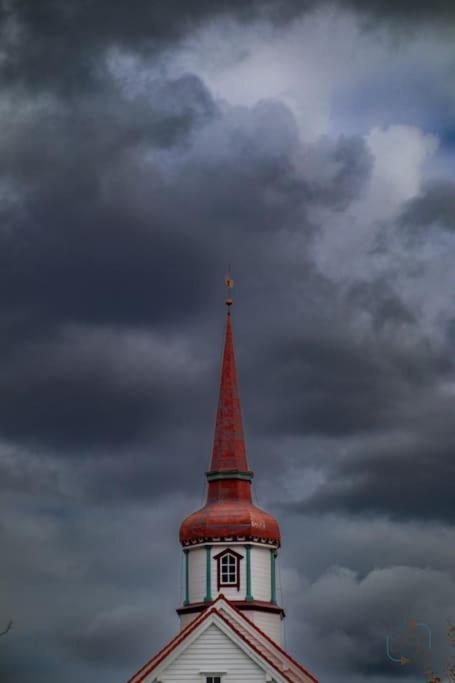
{"x": 229, "y": 282}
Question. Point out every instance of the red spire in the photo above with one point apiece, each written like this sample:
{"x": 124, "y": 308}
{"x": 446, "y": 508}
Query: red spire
{"x": 229, "y": 453}
{"x": 229, "y": 511}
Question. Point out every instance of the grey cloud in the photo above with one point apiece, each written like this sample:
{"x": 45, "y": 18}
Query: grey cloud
{"x": 323, "y": 379}
{"x": 404, "y": 480}
{"x": 351, "y": 617}
{"x": 54, "y": 559}
{"x": 60, "y": 44}
{"x": 90, "y": 207}
{"x": 350, "y": 164}
{"x": 435, "y": 207}
{"x": 111, "y": 639}
{"x": 120, "y": 213}
{"x": 385, "y": 307}
{"x": 133, "y": 243}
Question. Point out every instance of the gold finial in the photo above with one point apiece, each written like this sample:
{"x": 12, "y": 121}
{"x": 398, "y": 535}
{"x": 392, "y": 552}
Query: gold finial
{"x": 229, "y": 282}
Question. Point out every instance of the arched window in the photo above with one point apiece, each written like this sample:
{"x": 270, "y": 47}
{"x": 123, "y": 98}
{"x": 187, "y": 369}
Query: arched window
{"x": 228, "y": 570}
{"x": 228, "y": 565}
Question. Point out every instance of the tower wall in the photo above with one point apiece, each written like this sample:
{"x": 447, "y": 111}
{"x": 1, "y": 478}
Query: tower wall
{"x": 196, "y": 574}
{"x": 271, "y": 624}
{"x": 261, "y": 585}
{"x": 261, "y": 579}
{"x": 201, "y": 563}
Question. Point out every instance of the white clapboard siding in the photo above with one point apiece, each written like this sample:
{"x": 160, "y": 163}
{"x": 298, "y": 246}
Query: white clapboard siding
{"x": 213, "y": 652}
{"x": 197, "y": 574}
{"x": 268, "y": 622}
{"x": 260, "y": 573}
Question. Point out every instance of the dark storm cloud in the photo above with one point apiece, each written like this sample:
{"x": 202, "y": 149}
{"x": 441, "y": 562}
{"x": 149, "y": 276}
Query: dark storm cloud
{"x": 350, "y": 616}
{"x": 91, "y": 232}
{"x": 405, "y": 13}
{"x": 435, "y": 207}
{"x": 350, "y": 165}
{"x": 89, "y": 235}
{"x": 58, "y": 44}
{"x": 54, "y": 561}
{"x": 115, "y": 638}
{"x": 101, "y": 234}
{"x": 385, "y": 307}
{"x": 404, "y": 480}
{"x": 70, "y": 395}
{"x": 322, "y": 375}
{"x": 260, "y": 148}
{"x": 120, "y": 210}
{"x": 50, "y": 44}
{"x": 328, "y": 381}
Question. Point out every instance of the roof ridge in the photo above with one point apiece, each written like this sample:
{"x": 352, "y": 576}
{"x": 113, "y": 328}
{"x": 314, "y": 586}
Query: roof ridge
{"x": 270, "y": 640}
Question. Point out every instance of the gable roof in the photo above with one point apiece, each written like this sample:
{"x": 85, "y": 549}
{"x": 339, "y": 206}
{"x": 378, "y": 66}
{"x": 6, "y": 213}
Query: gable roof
{"x": 239, "y": 628}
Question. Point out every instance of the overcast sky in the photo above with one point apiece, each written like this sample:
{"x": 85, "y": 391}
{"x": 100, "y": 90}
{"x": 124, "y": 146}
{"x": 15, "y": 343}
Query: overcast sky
{"x": 143, "y": 147}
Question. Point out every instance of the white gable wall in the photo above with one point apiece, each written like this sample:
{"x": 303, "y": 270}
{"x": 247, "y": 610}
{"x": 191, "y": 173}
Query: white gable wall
{"x": 212, "y": 652}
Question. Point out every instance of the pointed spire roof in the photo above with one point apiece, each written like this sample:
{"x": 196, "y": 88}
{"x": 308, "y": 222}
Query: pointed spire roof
{"x": 229, "y": 512}
{"x": 229, "y": 453}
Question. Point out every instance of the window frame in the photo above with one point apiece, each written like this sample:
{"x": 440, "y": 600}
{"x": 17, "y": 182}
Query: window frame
{"x": 219, "y": 569}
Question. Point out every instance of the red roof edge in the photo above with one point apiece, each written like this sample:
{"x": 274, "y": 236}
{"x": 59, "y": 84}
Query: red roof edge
{"x": 286, "y": 654}
{"x": 167, "y": 649}
{"x": 172, "y": 644}
{"x": 245, "y": 639}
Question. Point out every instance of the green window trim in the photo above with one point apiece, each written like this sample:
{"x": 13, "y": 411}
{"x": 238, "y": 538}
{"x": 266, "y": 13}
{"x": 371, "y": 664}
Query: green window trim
{"x": 248, "y": 595}
{"x": 208, "y": 573}
{"x": 273, "y": 576}
{"x": 186, "y": 601}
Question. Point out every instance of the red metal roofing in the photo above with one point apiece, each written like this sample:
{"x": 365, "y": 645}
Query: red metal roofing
{"x": 229, "y": 442}
{"x": 226, "y": 519}
{"x": 229, "y": 510}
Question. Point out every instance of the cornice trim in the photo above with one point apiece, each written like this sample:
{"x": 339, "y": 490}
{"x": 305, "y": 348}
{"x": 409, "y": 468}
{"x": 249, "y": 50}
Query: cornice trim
{"x": 229, "y": 474}
{"x": 242, "y": 605}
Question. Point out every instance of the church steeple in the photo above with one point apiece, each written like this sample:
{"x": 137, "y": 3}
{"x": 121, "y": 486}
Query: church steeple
{"x": 245, "y": 537}
{"x": 230, "y": 616}
{"x": 229, "y": 476}
{"x": 229, "y": 511}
